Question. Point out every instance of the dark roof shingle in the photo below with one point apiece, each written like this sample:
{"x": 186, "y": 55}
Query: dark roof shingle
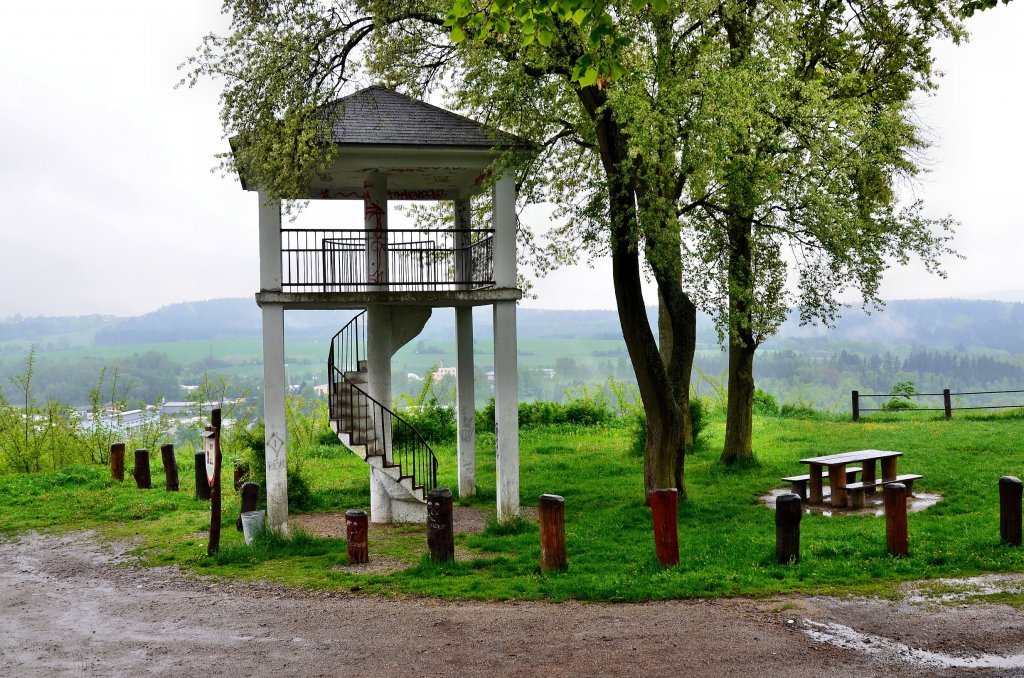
{"x": 377, "y": 115}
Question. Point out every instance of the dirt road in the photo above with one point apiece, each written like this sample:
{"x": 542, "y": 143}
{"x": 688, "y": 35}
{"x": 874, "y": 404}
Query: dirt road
{"x": 70, "y": 605}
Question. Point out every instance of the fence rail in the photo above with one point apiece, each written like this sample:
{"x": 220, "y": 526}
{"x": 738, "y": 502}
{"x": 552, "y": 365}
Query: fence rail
{"x": 357, "y": 260}
{"x": 947, "y": 402}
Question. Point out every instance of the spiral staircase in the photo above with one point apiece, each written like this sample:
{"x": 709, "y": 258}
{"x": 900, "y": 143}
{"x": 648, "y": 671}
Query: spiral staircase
{"x": 400, "y": 458}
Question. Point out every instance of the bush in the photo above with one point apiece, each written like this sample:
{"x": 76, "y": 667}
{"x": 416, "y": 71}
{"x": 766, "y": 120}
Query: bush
{"x": 799, "y": 410}
{"x": 638, "y": 427}
{"x": 436, "y": 423}
{"x": 901, "y": 392}
{"x": 765, "y": 404}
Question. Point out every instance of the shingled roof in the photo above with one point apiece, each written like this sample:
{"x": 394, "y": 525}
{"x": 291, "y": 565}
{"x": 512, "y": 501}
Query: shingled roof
{"x": 380, "y": 116}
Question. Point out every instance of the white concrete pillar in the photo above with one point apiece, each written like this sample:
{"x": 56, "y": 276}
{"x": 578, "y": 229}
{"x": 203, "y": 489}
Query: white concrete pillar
{"x": 270, "y": 243}
{"x": 466, "y": 406}
{"x": 504, "y": 221}
{"x": 462, "y": 242}
{"x": 506, "y": 410}
{"x": 378, "y": 356}
{"x": 274, "y": 416}
{"x": 375, "y": 213}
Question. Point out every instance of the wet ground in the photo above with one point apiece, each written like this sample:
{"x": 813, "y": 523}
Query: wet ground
{"x": 75, "y": 606}
{"x": 873, "y": 505}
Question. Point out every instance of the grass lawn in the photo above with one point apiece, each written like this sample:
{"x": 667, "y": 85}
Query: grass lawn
{"x": 727, "y": 538}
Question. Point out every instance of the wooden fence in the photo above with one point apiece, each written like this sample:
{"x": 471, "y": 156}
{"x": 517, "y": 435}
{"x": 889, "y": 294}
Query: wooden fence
{"x": 947, "y": 402}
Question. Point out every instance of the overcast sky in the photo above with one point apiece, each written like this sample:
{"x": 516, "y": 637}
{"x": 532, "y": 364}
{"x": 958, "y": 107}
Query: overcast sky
{"x": 108, "y": 203}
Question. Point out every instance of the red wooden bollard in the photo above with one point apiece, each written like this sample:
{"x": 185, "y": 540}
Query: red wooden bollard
{"x": 117, "y": 462}
{"x": 895, "y": 497}
{"x": 357, "y": 534}
{"x": 664, "y": 515}
{"x": 552, "y": 533}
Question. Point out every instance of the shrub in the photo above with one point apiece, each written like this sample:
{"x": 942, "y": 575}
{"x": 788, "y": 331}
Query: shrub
{"x": 765, "y": 404}
{"x": 436, "y": 423}
{"x": 799, "y": 410}
{"x": 638, "y": 427}
{"x": 901, "y": 392}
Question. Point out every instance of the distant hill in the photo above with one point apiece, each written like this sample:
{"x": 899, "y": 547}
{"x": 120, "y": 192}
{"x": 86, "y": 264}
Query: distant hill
{"x": 947, "y": 324}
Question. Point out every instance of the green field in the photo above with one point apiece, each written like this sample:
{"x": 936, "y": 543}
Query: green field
{"x": 726, "y": 534}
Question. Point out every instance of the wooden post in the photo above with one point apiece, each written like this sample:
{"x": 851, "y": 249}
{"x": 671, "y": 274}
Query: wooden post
{"x": 552, "y": 533}
{"x": 837, "y": 484}
{"x": 170, "y": 467}
{"x": 664, "y": 515}
{"x": 143, "y": 479}
{"x": 816, "y": 492}
{"x": 856, "y": 405}
{"x": 202, "y": 484}
{"x": 215, "y": 512}
{"x": 440, "y": 525}
{"x": 947, "y": 403}
{"x": 250, "y": 497}
{"x": 787, "y": 528}
{"x": 895, "y": 497}
{"x": 356, "y": 533}
{"x": 117, "y": 462}
{"x": 240, "y": 471}
{"x": 1010, "y": 491}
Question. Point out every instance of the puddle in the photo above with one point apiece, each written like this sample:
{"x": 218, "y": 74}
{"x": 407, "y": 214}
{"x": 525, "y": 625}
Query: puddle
{"x": 873, "y": 505}
{"x": 961, "y": 589}
{"x": 890, "y": 650}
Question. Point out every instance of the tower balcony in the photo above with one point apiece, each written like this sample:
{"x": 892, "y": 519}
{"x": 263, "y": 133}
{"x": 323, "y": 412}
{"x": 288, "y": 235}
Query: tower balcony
{"x": 350, "y": 268}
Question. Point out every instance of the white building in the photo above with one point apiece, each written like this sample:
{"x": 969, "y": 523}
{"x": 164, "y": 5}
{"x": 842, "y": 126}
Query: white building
{"x": 394, "y": 147}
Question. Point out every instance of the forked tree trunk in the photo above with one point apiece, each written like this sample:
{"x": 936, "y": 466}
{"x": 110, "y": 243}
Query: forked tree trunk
{"x": 663, "y": 454}
{"x": 680, "y": 377}
{"x": 739, "y": 411}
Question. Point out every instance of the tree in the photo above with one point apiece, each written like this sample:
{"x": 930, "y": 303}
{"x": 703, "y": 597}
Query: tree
{"x": 283, "y": 62}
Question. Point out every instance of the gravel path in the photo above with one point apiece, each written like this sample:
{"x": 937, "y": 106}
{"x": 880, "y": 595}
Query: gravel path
{"x": 73, "y": 605}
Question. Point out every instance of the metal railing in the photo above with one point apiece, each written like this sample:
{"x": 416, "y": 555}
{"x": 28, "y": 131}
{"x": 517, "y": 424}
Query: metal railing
{"x": 947, "y": 402}
{"x": 367, "y": 421}
{"x": 356, "y": 260}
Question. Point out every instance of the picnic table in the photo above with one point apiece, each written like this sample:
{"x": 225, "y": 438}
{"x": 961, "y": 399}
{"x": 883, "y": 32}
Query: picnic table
{"x": 836, "y": 464}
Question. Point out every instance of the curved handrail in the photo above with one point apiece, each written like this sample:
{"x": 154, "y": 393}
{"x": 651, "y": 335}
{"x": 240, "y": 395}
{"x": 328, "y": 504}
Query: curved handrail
{"x": 396, "y": 440}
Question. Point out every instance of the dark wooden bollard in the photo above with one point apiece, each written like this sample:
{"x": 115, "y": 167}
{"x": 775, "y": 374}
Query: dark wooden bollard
{"x": 170, "y": 467}
{"x": 143, "y": 480}
{"x": 787, "y": 528}
{"x": 895, "y": 498}
{"x": 440, "y": 525}
{"x": 202, "y": 484}
{"x": 357, "y": 535}
{"x": 240, "y": 472}
{"x": 117, "y": 462}
{"x": 552, "y": 533}
{"x": 664, "y": 515}
{"x": 250, "y": 496}
{"x": 1010, "y": 491}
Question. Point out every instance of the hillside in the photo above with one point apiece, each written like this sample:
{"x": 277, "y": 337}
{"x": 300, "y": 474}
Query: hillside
{"x": 955, "y": 343}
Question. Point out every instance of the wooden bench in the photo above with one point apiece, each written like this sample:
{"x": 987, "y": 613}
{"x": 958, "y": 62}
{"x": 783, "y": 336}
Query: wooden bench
{"x": 799, "y": 483}
{"x": 857, "y": 490}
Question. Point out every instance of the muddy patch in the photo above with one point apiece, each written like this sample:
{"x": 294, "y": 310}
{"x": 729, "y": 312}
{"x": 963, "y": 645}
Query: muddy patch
{"x": 873, "y": 504}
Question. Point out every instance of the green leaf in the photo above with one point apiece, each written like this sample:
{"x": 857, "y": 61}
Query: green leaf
{"x": 589, "y": 78}
{"x": 457, "y": 34}
{"x": 544, "y": 37}
{"x": 659, "y": 6}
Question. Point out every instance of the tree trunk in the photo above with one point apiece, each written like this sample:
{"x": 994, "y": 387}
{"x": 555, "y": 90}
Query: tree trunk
{"x": 680, "y": 375}
{"x": 739, "y": 412}
{"x": 663, "y": 454}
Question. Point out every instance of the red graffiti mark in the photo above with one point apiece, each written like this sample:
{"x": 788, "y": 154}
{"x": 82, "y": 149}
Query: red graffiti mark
{"x": 326, "y": 194}
{"x": 482, "y": 178}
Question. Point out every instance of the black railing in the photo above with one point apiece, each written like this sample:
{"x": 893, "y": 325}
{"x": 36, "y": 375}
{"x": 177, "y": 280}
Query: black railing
{"x": 367, "y": 421}
{"x": 355, "y": 260}
{"x": 947, "y": 402}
